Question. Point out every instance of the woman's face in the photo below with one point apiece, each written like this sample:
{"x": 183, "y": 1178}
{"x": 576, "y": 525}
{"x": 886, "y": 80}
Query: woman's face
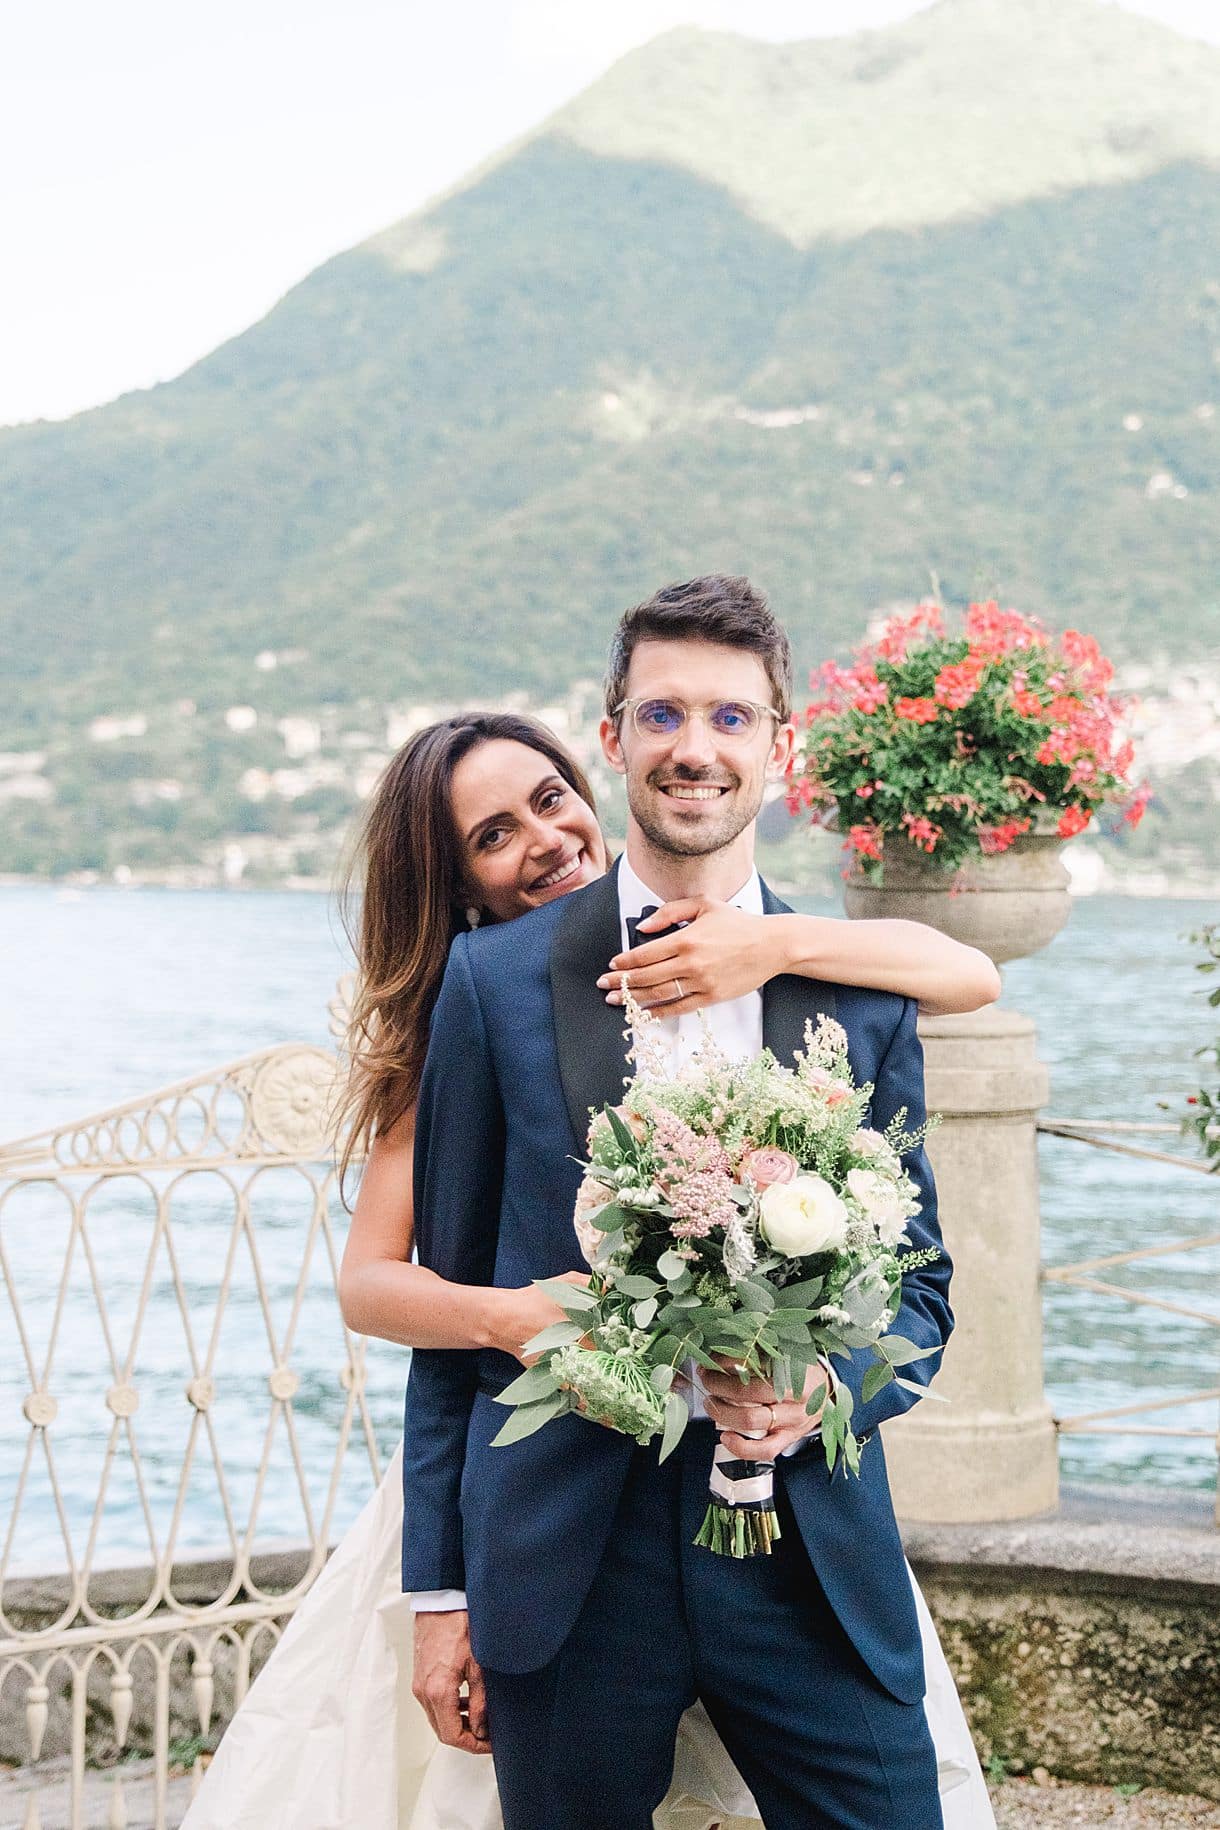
{"x": 525, "y": 836}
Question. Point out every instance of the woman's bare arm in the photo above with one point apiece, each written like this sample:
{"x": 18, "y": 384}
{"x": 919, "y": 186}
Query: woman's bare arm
{"x": 382, "y": 1293}
{"x": 724, "y": 953}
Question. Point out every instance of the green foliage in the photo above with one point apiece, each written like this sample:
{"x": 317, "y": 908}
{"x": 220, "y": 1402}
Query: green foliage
{"x": 446, "y": 460}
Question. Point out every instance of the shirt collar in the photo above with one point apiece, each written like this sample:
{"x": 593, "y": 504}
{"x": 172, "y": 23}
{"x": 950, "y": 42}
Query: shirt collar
{"x": 634, "y": 895}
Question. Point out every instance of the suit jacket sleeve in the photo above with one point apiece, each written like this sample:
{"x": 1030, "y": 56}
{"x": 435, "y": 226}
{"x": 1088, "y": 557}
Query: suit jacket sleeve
{"x": 925, "y": 1316}
{"x": 459, "y": 1167}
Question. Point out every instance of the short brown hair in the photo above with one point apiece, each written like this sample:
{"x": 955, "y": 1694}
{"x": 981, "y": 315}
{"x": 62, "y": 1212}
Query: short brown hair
{"x": 712, "y": 609}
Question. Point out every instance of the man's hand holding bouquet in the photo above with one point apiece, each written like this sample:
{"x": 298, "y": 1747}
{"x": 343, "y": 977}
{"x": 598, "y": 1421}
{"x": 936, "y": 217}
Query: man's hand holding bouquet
{"x": 736, "y": 1214}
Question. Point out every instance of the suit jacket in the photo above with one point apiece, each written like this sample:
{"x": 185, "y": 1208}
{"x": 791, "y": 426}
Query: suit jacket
{"x": 522, "y": 1045}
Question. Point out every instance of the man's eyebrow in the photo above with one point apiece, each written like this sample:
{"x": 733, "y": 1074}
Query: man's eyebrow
{"x": 494, "y": 819}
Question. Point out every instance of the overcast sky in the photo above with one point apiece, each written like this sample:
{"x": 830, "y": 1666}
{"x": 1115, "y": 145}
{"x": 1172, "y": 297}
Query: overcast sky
{"x": 168, "y": 171}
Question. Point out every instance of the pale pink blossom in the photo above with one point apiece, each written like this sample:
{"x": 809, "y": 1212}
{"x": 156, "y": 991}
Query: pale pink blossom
{"x": 768, "y": 1165}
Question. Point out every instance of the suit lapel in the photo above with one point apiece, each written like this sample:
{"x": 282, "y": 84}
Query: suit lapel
{"x": 788, "y": 1001}
{"x": 589, "y": 1043}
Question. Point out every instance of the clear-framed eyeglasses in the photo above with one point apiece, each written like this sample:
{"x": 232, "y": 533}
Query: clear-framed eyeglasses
{"x": 660, "y": 720}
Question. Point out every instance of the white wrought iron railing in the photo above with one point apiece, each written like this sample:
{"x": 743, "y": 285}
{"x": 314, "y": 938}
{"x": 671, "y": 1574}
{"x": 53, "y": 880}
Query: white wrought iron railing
{"x": 1131, "y": 1419}
{"x": 177, "y": 1378}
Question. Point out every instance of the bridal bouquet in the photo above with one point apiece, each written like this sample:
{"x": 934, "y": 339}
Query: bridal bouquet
{"x": 739, "y": 1213}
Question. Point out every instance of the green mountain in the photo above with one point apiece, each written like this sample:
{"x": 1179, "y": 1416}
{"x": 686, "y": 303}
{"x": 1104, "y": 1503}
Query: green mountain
{"x": 940, "y": 301}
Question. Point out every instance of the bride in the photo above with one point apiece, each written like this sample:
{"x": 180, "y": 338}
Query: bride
{"x": 467, "y": 825}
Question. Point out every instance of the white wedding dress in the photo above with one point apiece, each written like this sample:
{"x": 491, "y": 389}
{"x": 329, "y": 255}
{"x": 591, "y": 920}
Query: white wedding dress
{"x": 331, "y": 1738}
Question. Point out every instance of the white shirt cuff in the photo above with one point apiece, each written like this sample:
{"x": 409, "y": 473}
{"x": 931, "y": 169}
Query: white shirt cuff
{"x": 438, "y": 1601}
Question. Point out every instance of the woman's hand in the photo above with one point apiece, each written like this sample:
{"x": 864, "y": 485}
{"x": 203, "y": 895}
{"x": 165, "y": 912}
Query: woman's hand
{"x": 723, "y": 953}
{"x": 521, "y": 1314}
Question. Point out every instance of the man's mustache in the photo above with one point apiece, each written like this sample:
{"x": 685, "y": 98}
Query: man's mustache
{"x": 692, "y": 778}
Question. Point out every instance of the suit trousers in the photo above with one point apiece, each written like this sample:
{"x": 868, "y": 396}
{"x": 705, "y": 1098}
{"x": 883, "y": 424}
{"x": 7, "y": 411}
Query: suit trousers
{"x": 587, "y": 1742}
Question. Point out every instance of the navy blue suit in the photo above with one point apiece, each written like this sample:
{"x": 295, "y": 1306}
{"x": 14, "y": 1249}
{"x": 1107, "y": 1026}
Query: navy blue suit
{"x": 522, "y": 1045}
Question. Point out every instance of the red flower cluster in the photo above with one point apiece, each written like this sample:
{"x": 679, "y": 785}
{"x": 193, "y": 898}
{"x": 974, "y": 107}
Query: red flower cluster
{"x": 919, "y": 711}
{"x": 1010, "y": 717}
{"x": 921, "y": 831}
{"x": 956, "y": 685}
{"x": 897, "y": 634}
{"x": 866, "y": 840}
{"x": 994, "y": 839}
{"x": 992, "y": 632}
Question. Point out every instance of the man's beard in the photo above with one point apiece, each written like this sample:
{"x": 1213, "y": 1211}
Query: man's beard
{"x": 711, "y": 835}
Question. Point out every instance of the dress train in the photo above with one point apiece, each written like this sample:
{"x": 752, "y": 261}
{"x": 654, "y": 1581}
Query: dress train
{"x": 330, "y": 1737}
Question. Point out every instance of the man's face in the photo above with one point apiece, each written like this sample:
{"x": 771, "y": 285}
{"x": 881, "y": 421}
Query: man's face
{"x": 694, "y": 792}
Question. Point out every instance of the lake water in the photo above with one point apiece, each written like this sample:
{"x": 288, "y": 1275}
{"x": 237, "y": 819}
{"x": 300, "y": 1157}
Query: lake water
{"x": 108, "y": 994}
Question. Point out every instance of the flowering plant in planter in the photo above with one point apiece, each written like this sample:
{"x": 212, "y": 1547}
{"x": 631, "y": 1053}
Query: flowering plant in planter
{"x": 957, "y": 743}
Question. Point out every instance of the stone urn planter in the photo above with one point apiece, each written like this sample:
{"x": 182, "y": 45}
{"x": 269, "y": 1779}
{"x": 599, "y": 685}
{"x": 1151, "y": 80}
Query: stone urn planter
{"x": 1008, "y": 905}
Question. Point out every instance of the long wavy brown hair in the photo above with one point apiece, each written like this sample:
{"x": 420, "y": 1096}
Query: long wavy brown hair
{"x": 403, "y": 898}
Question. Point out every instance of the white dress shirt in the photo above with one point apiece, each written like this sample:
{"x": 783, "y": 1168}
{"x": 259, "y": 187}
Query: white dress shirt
{"x": 736, "y": 1026}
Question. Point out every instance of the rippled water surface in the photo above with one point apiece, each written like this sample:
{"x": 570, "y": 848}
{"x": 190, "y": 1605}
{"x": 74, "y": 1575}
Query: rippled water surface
{"x": 110, "y": 994}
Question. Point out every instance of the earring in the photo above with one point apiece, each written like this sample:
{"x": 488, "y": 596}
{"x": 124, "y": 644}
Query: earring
{"x": 473, "y": 917}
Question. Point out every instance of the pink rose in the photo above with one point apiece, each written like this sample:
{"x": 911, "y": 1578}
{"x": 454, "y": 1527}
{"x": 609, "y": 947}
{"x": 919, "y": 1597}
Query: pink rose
{"x": 769, "y": 1166}
{"x": 837, "y": 1092}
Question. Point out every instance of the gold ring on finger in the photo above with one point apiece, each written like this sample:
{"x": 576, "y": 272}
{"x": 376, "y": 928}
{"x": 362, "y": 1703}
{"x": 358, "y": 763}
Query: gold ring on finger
{"x": 678, "y": 989}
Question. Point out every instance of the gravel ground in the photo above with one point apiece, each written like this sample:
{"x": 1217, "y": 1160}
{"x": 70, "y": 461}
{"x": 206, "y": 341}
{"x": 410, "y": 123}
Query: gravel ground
{"x": 1019, "y": 1804}
{"x": 1022, "y": 1805}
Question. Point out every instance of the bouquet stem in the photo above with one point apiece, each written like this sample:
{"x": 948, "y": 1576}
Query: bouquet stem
{"x": 741, "y": 1520}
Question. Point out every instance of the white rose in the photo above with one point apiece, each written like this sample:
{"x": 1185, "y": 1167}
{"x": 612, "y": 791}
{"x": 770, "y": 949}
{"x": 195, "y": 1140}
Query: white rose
{"x": 873, "y": 1144}
{"x": 803, "y": 1216}
{"x": 884, "y": 1204}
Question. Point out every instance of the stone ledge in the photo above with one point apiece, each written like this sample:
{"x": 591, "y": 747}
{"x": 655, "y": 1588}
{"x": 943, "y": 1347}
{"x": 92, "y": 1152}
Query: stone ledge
{"x": 1100, "y": 1539}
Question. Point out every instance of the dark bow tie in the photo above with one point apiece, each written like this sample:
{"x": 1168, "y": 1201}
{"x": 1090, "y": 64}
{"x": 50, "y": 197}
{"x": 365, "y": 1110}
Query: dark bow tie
{"x": 642, "y": 940}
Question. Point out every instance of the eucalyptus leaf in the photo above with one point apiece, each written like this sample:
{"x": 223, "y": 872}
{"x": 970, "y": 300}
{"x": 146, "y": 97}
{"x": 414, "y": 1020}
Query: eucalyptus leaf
{"x": 844, "y": 1402}
{"x": 662, "y": 1377}
{"x": 530, "y": 1417}
{"x": 900, "y": 1352}
{"x": 559, "y": 1334}
{"x": 535, "y": 1382}
{"x": 920, "y": 1391}
{"x": 667, "y": 1349}
{"x": 670, "y": 1265}
{"x": 786, "y": 1326}
{"x": 761, "y": 1295}
{"x": 635, "y": 1284}
{"x": 606, "y": 1219}
{"x": 677, "y": 1416}
{"x": 643, "y": 1314}
{"x": 568, "y": 1296}
{"x": 875, "y": 1380}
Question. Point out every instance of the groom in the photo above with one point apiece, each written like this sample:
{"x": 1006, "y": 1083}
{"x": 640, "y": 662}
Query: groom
{"x": 594, "y": 1620}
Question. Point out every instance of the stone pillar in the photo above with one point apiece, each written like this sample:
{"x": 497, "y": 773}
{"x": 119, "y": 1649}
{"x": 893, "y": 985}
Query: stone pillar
{"x": 991, "y": 1451}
